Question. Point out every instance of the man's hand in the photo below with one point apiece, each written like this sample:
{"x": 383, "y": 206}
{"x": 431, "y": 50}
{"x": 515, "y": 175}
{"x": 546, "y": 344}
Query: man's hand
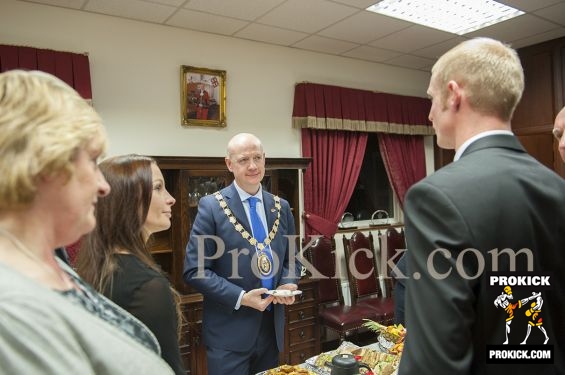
{"x": 254, "y": 299}
{"x": 286, "y": 300}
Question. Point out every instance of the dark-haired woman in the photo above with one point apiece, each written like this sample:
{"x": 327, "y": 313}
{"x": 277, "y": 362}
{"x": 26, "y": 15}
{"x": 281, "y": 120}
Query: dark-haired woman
{"x": 115, "y": 259}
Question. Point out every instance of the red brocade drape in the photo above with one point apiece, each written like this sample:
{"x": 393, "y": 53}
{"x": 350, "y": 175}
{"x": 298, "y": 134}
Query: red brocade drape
{"x": 404, "y": 156}
{"x": 72, "y": 68}
{"x": 329, "y": 182}
{"x": 404, "y": 160}
{"x": 335, "y": 122}
{"x": 338, "y": 108}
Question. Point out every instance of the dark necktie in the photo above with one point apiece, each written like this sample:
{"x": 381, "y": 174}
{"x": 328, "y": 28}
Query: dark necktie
{"x": 259, "y": 234}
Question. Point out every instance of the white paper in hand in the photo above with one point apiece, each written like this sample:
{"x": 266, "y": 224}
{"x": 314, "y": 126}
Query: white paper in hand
{"x": 284, "y": 292}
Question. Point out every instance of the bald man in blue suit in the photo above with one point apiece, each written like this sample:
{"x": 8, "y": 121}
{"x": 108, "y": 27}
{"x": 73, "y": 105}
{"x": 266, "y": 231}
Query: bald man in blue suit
{"x": 243, "y": 328}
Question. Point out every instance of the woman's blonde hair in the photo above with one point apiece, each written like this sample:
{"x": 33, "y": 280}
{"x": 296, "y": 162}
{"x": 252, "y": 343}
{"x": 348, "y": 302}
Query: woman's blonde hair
{"x": 43, "y": 123}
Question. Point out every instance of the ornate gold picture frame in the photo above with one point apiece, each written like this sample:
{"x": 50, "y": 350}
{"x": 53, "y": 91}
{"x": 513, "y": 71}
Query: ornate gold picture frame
{"x": 203, "y": 96}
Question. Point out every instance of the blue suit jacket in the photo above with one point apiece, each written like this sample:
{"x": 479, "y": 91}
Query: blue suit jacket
{"x": 213, "y": 268}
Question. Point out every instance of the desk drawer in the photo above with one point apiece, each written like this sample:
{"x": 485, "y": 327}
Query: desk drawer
{"x": 302, "y": 333}
{"x": 301, "y": 313}
{"x": 192, "y": 311}
{"x": 308, "y": 295}
{"x": 299, "y": 355}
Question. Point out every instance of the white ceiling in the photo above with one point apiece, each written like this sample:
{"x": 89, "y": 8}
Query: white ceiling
{"x": 336, "y": 27}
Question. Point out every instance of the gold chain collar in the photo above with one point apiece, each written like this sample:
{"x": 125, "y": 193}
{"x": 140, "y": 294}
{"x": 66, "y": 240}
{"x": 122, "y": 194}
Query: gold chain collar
{"x": 245, "y": 234}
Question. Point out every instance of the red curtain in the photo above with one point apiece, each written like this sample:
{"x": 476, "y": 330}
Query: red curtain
{"x": 337, "y": 157}
{"x": 335, "y": 122}
{"x": 338, "y": 108}
{"x": 332, "y": 107}
{"x": 404, "y": 160}
{"x": 73, "y": 68}
{"x": 404, "y": 156}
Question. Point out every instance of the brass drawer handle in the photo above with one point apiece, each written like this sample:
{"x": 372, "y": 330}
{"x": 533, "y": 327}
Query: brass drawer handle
{"x": 301, "y": 315}
{"x": 301, "y": 334}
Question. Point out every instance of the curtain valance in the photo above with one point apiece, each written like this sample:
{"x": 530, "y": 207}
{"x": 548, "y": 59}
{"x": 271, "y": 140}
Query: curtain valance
{"x": 318, "y": 106}
{"x": 72, "y": 68}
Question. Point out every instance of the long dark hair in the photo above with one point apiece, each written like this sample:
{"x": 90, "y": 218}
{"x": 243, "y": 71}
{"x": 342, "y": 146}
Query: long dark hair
{"x": 119, "y": 222}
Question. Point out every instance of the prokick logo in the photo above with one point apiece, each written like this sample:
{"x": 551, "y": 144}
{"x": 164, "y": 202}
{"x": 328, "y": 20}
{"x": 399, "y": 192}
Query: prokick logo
{"x": 518, "y": 309}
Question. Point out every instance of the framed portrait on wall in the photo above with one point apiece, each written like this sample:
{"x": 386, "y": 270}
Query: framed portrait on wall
{"x": 203, "y": 97}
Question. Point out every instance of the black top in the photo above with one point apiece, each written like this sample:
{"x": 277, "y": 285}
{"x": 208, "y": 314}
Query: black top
{"x": 146, "y": 294}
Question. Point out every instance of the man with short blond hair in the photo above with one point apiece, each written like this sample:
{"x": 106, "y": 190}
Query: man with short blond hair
{"x": 494, "y": 196}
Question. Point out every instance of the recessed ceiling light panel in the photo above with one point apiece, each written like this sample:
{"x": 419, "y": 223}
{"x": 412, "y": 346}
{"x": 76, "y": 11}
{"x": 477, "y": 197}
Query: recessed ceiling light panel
{"x": 454, "y": 16}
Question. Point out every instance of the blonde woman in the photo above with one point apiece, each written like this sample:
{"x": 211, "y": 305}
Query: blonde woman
{"x": 51, "y": 321}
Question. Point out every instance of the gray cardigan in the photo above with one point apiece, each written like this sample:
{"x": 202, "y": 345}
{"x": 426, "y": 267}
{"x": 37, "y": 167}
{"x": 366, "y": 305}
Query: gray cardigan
{"x": 41, "y": 332}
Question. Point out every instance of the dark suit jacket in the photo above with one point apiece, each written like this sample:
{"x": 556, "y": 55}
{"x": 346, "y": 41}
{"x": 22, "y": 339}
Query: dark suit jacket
{"x": 400, "y": 291}
{"x": 495, "y": 197}
{"x": 223, "y": 279}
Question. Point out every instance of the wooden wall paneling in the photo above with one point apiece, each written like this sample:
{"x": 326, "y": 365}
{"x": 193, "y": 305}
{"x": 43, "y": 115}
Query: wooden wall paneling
{"x": 541, "y": 146}
{"x": 536, "y": 106}
{"x": 543, "y": 98}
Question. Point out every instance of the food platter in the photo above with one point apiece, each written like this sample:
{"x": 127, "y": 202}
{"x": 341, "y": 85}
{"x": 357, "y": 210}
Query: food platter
{"x": 381, "y": 363}
{"x": 288, "y": 370}
{"x": 382, "y": 356}
{"x": 391, "y": 338}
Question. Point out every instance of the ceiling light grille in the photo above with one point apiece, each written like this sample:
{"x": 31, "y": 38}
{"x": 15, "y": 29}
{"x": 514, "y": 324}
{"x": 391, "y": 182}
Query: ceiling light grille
{"x": 454, "y": 16}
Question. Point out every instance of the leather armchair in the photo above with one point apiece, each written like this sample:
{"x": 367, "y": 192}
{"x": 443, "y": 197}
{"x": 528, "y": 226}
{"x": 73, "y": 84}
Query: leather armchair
{"x": 332, "y": 312}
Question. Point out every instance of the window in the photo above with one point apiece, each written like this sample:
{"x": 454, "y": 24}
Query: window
{"x": 372, "y": 191}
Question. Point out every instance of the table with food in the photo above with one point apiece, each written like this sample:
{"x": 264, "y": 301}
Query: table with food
{"x": 379, "y": 358}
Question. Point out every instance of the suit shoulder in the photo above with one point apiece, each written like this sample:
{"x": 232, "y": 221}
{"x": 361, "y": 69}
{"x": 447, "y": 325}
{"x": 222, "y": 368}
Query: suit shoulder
{"x": 284, "y": 202}
{"x": 207, "y": 200}
{"x": 434, "y": 180}
{"x": 227, "y": 189}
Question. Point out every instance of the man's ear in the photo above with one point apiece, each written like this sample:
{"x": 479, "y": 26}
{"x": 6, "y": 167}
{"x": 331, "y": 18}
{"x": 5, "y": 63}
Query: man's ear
{"x": 228, "y": 164}
{"x": 454, "y": 94}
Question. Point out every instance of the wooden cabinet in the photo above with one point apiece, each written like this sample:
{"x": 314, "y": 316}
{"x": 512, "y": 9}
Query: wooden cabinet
{"x": 188, "y": 179}
{"x": 302, "y": 332}
{"x": 192, "y": 349}
{"x": 543, "y": 98}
